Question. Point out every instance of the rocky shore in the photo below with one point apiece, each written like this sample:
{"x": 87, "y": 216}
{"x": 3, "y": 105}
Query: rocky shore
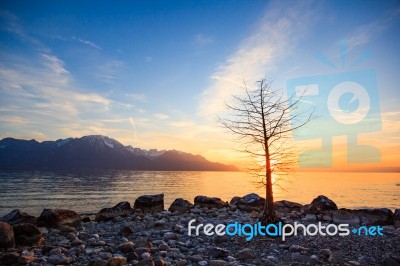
{"x": 146, "y": 234}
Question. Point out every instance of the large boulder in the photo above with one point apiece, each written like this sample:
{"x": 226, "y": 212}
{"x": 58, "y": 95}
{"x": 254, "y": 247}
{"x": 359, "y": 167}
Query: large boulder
{"x": 150, "y": 203}
{"x": 57, "y": 218}
{"x": 396, "y": 218}
{"x": 249, "y": 203}
{"x": 121, "y": 209}
{"x": 208, "y": 202}
{"x": 18, "y": 216}
{"x": 6, "y": 236}
{"x": 180, "y": 205}
{"x": 363, "y": 217}
{"x": 27, "y": 235}
{"x": 344, "y": 216}
{"x": 320, "y": 204}
{"x": 286, "y": 206}
{"x": 381, "y": 216}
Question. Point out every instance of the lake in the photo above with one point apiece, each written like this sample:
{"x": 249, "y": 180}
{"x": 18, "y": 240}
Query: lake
{"x": 89, "y": 191}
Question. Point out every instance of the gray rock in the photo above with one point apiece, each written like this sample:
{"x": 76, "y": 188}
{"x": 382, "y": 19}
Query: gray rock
{"x": 396, "y": 218}
{"x": 320, "y": 203}
{"x": 286, "y": 206}
{"x": 146, "y": 262}
{"x": 26, "y": 257}
{"x": 171, "y": 236}
{"x": 150, "y": 203}
{"x": 121, "y": 209}
{"x": 58, "y": 218}
{"x": 217, "y": 252}
{"x": 326, "y": 253}
{"x": 195, "y": 258}
{"x": 6, "y": 236}
{"x": 250, "y": 202}
{"x": 295, "y": 256}
{"x": 375, "y": 216}
{"x": 246, "y": 254}
{"x": 311, "y": 217}
{"x": 297, "y": 248}
{"x": 126, "y": 247}
{"x": 218, "y": 263}
{"x": 18, "y": 216}
{"x": 27, "y": 234}
{"x": 344, "y": 217}
{"x": 180, "y": 205}
{"x": 117, "y": 261}
{"x": 208, "y": 202}
{"x": 159, "y": 261}
{"x": 98, "y": 263}
{"x": 59, "y": 259}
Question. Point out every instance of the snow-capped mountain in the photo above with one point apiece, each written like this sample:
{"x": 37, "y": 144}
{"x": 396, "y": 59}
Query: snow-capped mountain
{"x": 96, "y": 152}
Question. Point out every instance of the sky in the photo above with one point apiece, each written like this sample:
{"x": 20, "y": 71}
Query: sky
{"x": 156, "y": 74}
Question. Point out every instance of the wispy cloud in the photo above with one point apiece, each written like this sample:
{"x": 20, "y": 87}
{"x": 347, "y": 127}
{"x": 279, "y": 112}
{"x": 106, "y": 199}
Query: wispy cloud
{"x": 91, "y": 44}
{"x": 202, "y": 40}
{"x": 161, "y": 116}
{"x": 108, "y": 71}
{"x": 80, "y": 40}
{"x": 365, "y": 33}
{"x": 277, "y": 34}
{"x": 137, "y": 97}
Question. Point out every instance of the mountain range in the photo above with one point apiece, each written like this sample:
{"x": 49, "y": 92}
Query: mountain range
{"x": 97, "y": 152}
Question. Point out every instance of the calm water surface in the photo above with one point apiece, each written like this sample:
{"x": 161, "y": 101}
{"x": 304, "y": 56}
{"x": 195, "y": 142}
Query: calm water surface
{"x": 88, "y": 192}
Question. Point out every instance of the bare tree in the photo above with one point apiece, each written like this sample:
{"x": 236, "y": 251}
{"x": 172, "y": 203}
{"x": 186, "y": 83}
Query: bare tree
{"x": 263, "y": 119}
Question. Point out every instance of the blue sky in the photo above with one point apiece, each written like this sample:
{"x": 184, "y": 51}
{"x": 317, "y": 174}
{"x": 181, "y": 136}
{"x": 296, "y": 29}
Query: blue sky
{"x": 155, "y": 74}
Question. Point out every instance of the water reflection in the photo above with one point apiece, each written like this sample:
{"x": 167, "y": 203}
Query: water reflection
{"x": 89, "y": 191}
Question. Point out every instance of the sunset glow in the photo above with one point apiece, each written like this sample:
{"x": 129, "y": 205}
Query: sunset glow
{"x": 60, "y": 81}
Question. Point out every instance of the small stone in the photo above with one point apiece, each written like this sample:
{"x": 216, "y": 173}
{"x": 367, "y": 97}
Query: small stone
{"x": 246, "y": 254}
{"x": 272, "y": 259}
{"x": 171, "y": 236}
{"x": 218, "y": 263}
{"x": 74, "y": 251}
{"x": 159, "y": 261}
{"x": 202, "y": 263}
{"x": 311, "y": 217}
{"x": 27, "y": 257}
{"x": 355, "y": 263}
{"x": 126, "y": 231}
{"x": 217, "y": 252}
{"x": 55, "y": 251}
{"x": 132, "y": 256}
{"x": 297, "y": 248}
{"x": 117, "y": 261}
{"x": 59, "y": 259}
{"x": 140, "y": 251}
{"x": 163, "y": 247}
{"x": 146, "y": 262}
{"x": 195, "y": 258}
{"x": 231, "y": 259}
{"x": 105, "y": 255}
{"x": 327, "y": 253}
{"x": 98, "y": 263}
{"x": 296, "y": 256}
{"x": 6, "y": 236}
{"x": 145, "y": 255}
{"x": 126, "y": 247}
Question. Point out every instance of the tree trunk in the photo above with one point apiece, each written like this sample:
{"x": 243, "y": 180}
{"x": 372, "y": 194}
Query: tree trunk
{"x": 269, "y": 207}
